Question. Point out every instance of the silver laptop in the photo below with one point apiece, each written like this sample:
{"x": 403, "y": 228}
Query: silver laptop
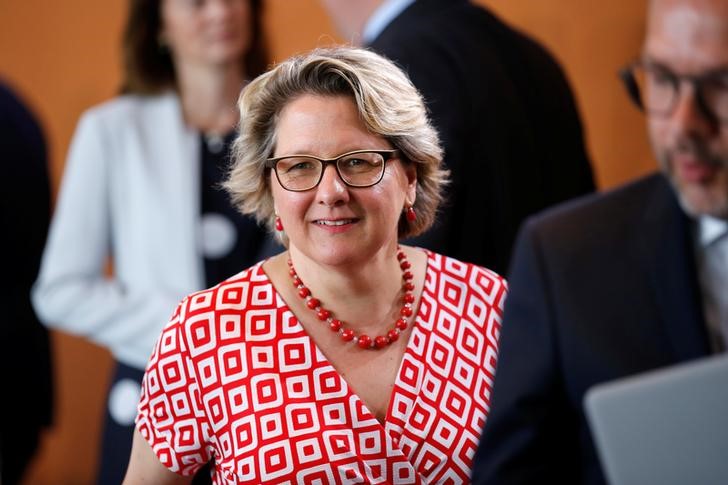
{"x": 664, "y": 427}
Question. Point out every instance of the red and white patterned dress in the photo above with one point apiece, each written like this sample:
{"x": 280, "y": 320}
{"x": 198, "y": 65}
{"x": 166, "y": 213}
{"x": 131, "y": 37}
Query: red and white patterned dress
{"x": 235, "y": 377}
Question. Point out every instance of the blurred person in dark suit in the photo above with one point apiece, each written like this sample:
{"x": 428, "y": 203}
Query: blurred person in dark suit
{"x": 25, "y": 357}
{"x": 502, "y": 105}
{"x": 626, "y": 281}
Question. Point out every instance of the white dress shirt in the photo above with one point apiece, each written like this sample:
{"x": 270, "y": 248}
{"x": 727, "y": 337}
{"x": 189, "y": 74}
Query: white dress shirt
{"x": 712, "y": 260}
{"x": 382, "y": 16}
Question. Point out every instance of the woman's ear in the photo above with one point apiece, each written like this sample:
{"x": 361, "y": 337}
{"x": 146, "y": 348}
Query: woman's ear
{"x": 410, "y": 170}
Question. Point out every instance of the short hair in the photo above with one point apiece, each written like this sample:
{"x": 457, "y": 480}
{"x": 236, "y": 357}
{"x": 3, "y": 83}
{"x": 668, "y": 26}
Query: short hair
{"x": 148, "y": 66}
{"x": 387, "y": 102}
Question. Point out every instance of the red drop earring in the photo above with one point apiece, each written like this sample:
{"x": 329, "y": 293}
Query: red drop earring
{"x": 279, "y": 224}
{"x": 410, "y": 214}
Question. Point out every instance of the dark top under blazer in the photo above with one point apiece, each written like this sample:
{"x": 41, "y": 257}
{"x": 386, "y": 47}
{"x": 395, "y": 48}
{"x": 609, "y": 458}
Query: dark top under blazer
{"x": 600, "y": 288}
{"x": 507, "y": 118}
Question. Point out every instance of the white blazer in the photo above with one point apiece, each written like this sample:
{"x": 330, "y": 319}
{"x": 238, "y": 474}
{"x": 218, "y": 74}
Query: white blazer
{"x": 130, "y": 192}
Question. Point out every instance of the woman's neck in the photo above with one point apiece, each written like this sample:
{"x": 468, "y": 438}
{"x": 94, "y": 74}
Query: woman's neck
{"x": 209, "y": 96}
{"x": 356, "y": 293}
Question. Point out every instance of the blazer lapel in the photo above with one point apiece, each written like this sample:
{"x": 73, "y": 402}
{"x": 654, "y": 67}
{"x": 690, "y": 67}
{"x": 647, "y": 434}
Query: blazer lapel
{"x": 668, "y": 246}
{"x": 177, "y": 152}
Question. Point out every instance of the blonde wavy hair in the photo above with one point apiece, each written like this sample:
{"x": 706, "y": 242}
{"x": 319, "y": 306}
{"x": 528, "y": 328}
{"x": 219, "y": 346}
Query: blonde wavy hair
{"x": 387, "y": 102}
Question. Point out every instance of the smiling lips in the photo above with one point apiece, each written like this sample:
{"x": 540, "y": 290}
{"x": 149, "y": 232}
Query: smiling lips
{"x": 334, "y": 222}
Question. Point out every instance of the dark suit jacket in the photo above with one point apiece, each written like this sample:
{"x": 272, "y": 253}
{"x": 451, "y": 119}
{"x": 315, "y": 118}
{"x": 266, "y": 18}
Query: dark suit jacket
{"x": 600, "y": 288}
{"x": 25, "y": 362}
{"x": 507, "y": 118}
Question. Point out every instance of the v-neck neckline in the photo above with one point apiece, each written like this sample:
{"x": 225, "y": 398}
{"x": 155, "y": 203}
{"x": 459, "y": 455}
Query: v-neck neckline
{"x": 283, "y": 306}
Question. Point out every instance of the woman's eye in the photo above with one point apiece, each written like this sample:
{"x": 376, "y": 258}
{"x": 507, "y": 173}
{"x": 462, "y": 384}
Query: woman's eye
{"x": 301, "y": 166}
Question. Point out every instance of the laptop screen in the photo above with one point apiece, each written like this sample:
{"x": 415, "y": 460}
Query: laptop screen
{"x": 668, "y": 426}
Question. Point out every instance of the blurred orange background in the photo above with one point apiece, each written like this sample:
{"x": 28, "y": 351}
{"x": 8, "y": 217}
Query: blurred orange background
{"x": 64, "y": 57}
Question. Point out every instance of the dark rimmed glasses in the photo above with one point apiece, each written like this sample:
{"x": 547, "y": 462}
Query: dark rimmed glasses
{"x": 656, "y": 89}
{"x": 359, "y": 168}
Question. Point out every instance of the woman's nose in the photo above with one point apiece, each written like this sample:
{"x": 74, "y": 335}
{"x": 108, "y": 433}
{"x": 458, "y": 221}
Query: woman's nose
{"x": 331, "y": 190}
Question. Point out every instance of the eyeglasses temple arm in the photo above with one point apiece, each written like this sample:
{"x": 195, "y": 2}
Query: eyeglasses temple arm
{"x": 630, "y": 84}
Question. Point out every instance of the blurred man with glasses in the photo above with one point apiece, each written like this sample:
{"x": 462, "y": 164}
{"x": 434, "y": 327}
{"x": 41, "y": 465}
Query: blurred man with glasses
{"x": 687, "y": 114}
{"x": 623, "y": 282}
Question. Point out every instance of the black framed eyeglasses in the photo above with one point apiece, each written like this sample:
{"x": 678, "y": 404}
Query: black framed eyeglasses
{"x": 656, "y": 89}
{"x": 359, "y": 168}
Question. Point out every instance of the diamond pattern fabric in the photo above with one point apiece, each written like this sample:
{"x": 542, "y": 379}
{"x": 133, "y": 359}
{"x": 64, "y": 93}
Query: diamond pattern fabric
{"x": 235, "y": 378}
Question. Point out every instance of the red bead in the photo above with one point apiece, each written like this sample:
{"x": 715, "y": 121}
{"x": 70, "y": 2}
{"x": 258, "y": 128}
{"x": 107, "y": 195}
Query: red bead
{"x": 381, "y": 341}
{"x": 290, "y": 263}
{"x": 347, "y": 335}
{"x": 365, "y": 341}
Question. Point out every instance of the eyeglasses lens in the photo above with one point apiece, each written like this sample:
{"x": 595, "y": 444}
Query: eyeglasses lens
{"x": 659, "y": 90}
{"x": 303, "y": 173}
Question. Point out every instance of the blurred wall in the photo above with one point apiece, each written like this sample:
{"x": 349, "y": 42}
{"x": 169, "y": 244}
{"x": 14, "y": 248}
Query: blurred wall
{"x": 64, "y": 57}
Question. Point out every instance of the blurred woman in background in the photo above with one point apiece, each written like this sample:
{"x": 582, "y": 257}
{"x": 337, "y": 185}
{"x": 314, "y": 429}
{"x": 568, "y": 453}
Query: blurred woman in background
{"x": 141, "y": 189}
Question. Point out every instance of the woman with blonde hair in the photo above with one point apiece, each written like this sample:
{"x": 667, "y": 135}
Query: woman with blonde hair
{"x": 349, "y": 357}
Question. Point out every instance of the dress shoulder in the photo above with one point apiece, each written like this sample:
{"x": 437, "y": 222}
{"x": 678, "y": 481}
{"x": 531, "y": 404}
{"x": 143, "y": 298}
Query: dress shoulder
{"x": 461, "y": 269}
{"x": 231, "y": 303}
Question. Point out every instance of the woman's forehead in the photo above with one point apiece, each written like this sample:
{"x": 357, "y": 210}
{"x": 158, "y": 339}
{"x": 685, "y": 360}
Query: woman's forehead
{"x": 325, "y": 126}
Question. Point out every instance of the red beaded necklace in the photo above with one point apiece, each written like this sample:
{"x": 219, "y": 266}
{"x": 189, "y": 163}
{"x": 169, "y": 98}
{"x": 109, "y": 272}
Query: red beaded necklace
{"x": 363, "y": 340}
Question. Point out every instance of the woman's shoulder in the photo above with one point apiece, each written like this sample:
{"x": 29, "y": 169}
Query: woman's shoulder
{"x": 232, "y": 311}
{"x": 451, "y": 281}
{"x": 249, "y": 290}
{"x": 451, "y": 267}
